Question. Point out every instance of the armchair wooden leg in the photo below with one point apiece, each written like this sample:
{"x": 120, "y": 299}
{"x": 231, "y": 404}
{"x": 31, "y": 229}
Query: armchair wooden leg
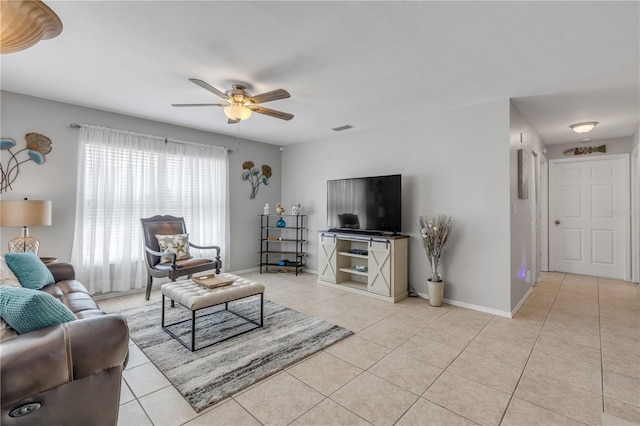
{"x": 149, "y": 285}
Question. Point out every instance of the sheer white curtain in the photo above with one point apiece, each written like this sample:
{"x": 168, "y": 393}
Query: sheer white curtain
{"x": 125, "y": 176}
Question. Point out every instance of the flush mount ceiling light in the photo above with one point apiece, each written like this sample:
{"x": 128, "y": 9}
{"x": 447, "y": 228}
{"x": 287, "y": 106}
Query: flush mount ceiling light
{"x": 24, "y": 23}
{"x": 583, "y": 127}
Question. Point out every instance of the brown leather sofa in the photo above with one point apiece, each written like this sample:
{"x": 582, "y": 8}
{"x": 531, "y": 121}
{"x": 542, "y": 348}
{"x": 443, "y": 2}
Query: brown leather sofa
{"x": 67, "y": 374}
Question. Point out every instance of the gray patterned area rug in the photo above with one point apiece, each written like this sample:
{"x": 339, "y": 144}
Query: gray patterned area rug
{"x": 209, "y": 375}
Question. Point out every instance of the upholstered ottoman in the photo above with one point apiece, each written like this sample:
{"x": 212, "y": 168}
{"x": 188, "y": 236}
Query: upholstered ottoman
{"x": 196, "y": 297}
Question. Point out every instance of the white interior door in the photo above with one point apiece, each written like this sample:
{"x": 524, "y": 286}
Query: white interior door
{"x": 588, "y": 224}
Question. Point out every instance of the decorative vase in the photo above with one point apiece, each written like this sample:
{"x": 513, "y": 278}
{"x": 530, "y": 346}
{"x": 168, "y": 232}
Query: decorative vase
{"x": 436, "y": 292}
{"x": 281, "y": 223}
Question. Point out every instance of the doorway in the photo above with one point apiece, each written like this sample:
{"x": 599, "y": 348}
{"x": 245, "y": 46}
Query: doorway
{"x": 534, "y": 199}
{"x": 589, "y": 230}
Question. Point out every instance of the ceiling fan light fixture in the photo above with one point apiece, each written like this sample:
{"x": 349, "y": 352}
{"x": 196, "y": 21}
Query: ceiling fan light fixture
{"x": 237, "y": 112}
{"x": 583, "y": 127}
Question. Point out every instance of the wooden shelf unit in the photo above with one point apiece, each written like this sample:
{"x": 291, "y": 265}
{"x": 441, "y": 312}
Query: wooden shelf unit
{"x": 376, "y": 266}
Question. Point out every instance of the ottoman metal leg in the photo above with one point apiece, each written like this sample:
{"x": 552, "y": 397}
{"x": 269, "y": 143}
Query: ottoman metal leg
{"x": 193, "y": 322}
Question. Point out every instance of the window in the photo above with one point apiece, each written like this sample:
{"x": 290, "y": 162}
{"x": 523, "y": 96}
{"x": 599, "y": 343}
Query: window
{"x": 124, "y": 176}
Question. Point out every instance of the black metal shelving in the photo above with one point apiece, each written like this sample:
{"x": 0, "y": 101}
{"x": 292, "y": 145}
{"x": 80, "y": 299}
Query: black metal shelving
{"x": 280, "y": 244}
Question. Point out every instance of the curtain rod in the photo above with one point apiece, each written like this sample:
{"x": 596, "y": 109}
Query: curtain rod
{"x": 79, "y": 126}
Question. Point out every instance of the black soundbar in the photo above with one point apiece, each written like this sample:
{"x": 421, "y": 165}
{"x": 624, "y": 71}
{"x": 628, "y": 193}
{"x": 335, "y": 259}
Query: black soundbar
{"x": 355, "y": 231}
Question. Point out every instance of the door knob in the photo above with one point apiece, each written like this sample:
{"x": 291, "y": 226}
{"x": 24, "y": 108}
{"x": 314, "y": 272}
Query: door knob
{"x": 557, "y": 222}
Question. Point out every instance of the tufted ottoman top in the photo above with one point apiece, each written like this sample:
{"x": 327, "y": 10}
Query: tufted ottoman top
{"x": 195, "y": 296}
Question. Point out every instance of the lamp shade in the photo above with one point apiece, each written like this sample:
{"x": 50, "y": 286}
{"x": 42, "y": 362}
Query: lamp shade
{"x": 24, "y": 23}
{"x": 237, "y": 112}
{"x": 25, "y": 213}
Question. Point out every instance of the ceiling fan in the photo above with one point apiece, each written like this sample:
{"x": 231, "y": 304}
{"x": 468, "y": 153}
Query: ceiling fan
{"x": 241, "y": 104}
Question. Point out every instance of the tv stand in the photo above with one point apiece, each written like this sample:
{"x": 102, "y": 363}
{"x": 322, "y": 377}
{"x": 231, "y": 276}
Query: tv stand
{"x": 372, "y": 265}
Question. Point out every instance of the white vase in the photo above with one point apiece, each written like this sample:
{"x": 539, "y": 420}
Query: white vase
{"x": 436, "y": 292}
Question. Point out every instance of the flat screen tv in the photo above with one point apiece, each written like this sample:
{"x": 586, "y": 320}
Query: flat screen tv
{"x": 366, "y": 204}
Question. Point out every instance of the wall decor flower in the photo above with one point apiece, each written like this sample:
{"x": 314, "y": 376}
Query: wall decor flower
{"x": 255, "y": 176}
{"x": 38, "y": 146}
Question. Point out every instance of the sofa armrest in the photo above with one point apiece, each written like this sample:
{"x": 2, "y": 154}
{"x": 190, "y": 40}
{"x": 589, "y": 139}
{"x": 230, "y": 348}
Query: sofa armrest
{"x": 62, "y": 271}
{"x": 45, "y": 359}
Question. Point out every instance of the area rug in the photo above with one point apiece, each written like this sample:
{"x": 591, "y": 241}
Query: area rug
{"x": 211, "y": 374}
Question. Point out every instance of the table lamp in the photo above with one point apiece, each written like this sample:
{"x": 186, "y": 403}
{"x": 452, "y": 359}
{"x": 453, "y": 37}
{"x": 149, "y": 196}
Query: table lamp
{"x": 25, "y": 213}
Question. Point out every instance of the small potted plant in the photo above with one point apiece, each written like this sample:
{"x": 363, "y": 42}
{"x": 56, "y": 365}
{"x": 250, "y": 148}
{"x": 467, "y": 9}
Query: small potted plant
{"x": 435, "y": 232}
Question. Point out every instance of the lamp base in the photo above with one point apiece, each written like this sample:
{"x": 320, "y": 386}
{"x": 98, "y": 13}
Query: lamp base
{"x": 24, "y": 244}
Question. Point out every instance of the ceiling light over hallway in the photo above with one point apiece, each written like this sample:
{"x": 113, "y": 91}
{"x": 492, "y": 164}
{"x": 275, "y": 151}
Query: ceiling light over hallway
{"x": 583, "y": 127}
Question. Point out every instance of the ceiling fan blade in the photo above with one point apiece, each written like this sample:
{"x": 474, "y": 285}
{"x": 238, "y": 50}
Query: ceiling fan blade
{"x": 271, "y": 112}
{"x": 232, "y": 121}
{"x": 197, "y": 105}
{"x": 274, "y": 95}
{"x": 210, "y": 88}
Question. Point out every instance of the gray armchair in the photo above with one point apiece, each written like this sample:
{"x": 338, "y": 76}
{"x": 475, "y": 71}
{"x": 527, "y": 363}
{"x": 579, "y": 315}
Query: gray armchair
{"x": 171, "y": 225}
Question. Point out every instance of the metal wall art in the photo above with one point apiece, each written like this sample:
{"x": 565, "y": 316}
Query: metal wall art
{"x": 38, "y": 146}
{"x": 254, "y": 176}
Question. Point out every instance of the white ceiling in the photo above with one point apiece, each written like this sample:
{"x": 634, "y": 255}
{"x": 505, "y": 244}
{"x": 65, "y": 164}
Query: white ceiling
{"x": 361, "y": 63}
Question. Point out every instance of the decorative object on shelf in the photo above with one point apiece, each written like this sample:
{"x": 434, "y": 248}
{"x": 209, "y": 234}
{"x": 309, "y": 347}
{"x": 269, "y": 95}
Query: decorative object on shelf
{"x": 266, "y": 209}
{"x": 435, "y": 234}
{"x": 255, "y": 177}
{"x": 25, "y": 213}
{"x": 24, "y": 23}
{"x": 38, "y": 146}
{"x": 586, "y": 150}
{"x": 296, "y": 209}
{"x": 279, "y": 208}
{"x": 523, "y": 174}
{"x": 281, "y": 223}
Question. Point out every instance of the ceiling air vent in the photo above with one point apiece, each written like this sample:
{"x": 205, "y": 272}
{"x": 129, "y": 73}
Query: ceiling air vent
{"x": 341, "y": 128}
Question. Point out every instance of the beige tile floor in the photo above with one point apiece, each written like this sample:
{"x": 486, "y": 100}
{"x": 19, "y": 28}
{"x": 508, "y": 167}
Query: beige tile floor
{"x": 572, "y": 351}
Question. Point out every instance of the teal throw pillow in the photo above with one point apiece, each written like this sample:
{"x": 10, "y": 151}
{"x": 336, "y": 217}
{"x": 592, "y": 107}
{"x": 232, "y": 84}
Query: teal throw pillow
{"x": 29, "y": 269}
{"x": 27, "y": 310}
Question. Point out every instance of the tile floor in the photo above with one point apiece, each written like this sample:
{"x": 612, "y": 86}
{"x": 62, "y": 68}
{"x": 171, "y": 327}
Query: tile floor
{"x": 572, "y": 350}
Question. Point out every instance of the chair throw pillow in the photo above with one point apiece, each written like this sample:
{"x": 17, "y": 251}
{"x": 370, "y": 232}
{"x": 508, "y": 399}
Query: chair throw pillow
{"x": 27, "y": 310}
{"x": 29, "y": 269}
{"x": 178, "y": 244}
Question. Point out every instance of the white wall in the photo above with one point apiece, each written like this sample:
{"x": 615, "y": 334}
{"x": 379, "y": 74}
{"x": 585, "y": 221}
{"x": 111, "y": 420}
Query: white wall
{"x": 455, "y": 163}
{"x": 56, "y": 179}
{"x": 520, "y": 210}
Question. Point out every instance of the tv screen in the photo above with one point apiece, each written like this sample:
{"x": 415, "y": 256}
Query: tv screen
{"x": 365, "y": 204}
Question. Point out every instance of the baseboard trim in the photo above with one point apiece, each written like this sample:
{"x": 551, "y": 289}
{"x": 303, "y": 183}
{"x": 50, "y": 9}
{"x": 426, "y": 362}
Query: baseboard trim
{"x": 478, "y": 308}
{"x": 519, "y": 305}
